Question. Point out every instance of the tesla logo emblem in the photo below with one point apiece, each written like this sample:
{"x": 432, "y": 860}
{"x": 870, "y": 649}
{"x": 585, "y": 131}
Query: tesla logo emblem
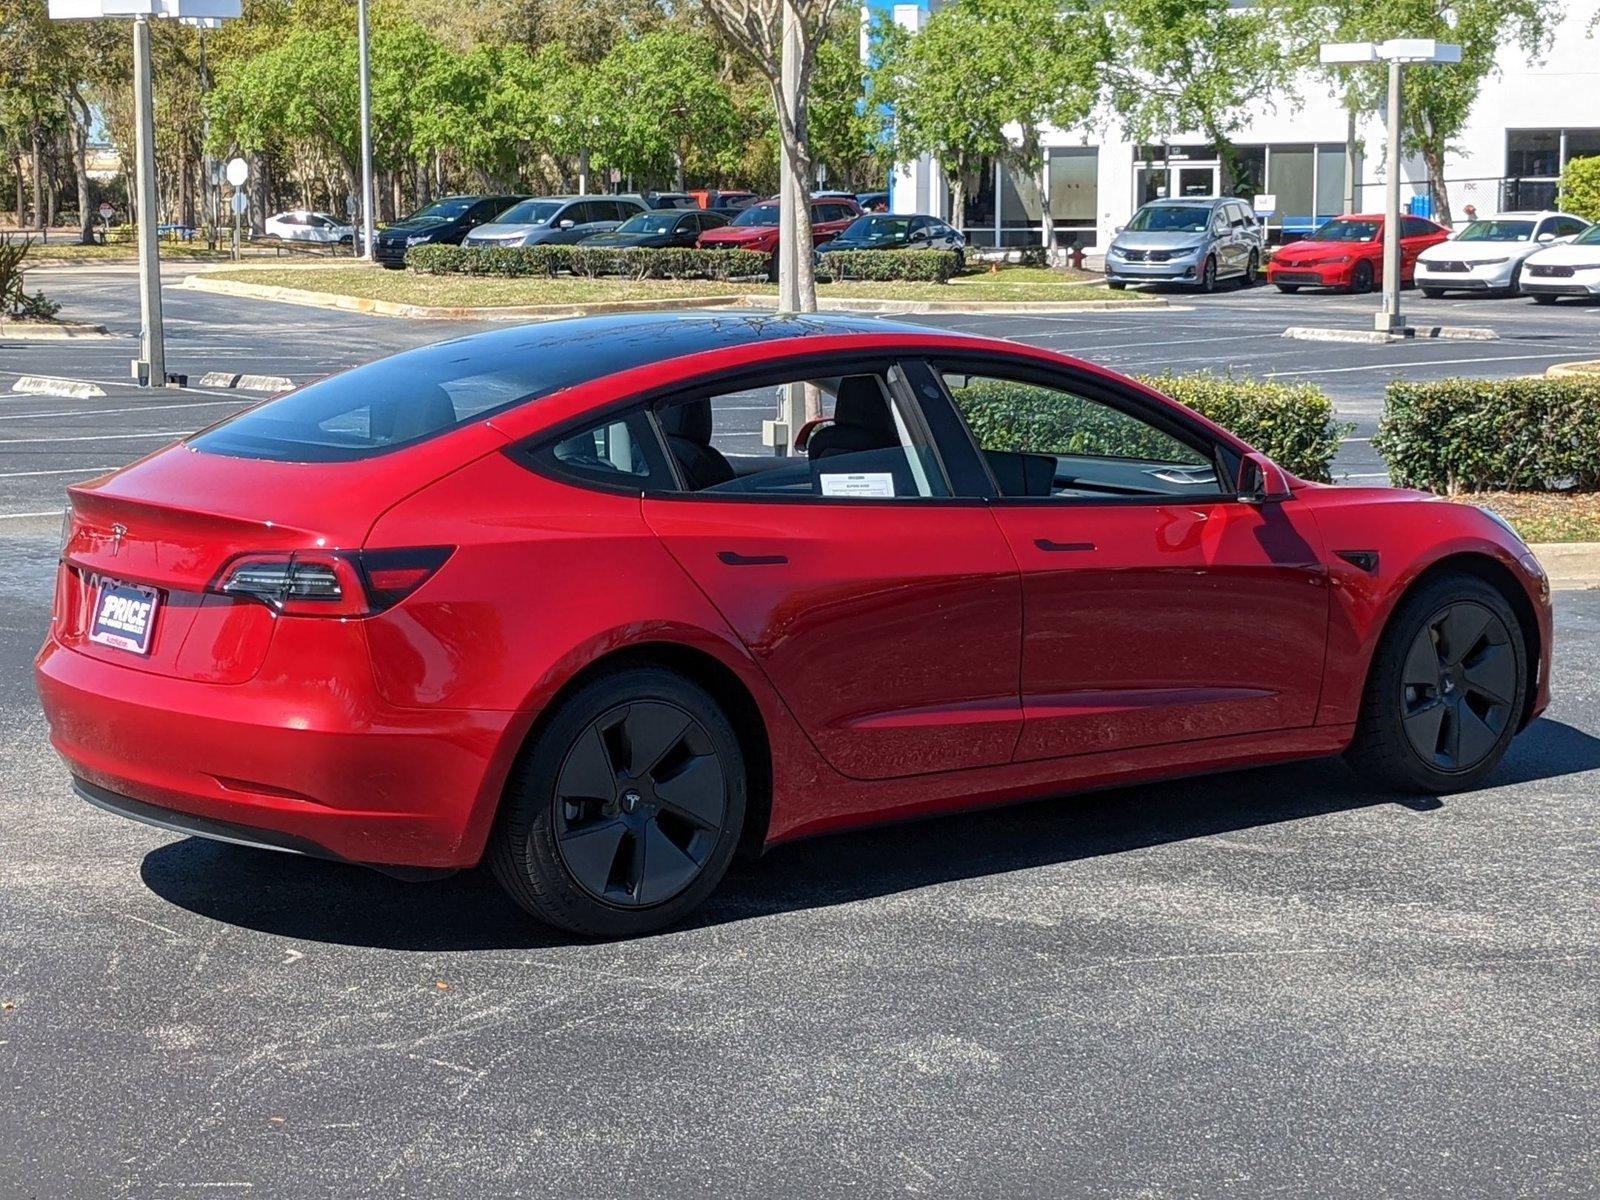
{"x": 118, "y": 532}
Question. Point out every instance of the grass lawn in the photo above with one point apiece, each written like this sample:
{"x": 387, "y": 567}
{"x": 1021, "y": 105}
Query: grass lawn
{"x": 454, "y": 291}
{"x": 1545, "y": 516}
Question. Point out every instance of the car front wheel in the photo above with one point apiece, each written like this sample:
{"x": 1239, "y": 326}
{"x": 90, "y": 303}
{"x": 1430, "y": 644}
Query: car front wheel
{"x": 1288, "y": 289}
{"x": 1208, "y": 275}
{"x": 625, "y": 812}
{"x": 1361, "y": 278}
{"x": 1446, "y": 689}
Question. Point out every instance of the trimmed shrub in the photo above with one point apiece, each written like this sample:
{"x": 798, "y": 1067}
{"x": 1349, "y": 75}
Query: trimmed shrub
{"x": 885, "y": 266}
{"x": 1580, "y": 188}
{"x": 1474, "y": 435}
{"x": 542, "y": 262}
{"x": 1293, "y": 424}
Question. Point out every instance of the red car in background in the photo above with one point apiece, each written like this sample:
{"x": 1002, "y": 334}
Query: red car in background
{"x": 538, "y": 597}
{"x": 1347, "y": 253}
{"x": 756, "y": 228}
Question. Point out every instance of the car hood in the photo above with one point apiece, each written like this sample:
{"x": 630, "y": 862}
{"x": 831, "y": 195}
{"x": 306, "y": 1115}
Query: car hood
{"x": 867, "y": 243}
{"x": 493, "y": 231}
{"x": 1133, "y": 240}
{"x": 1309, "y": 252}
{"x": 735, "y": 235}
{"x": 414, "y": 227}
{"x": 614, "y": 238}
{"x": 1567, "y": 255}
{"x": 1476, "y": 252}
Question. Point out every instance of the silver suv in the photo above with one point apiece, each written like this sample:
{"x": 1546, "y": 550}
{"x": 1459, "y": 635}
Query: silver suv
{"x": 1190, "y": 242}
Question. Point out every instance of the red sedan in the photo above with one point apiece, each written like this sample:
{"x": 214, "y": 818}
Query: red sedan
{"x": 756, "y": 228}
{"x": 539, "y": 597}
{"x": 1347, "y": 253}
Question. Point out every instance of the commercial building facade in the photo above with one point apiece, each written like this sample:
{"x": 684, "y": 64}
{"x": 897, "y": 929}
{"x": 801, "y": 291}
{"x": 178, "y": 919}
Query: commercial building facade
{"x": 1302, "y": 151}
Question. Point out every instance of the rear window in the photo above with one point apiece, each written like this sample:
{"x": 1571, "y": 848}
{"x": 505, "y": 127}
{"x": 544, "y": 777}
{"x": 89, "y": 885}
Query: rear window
{"x": 384, "y": 405}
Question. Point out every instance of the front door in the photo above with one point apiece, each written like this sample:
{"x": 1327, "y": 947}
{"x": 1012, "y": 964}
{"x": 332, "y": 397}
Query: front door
{"x": 886, "y": 614}
{"x": 1157, "y": 607}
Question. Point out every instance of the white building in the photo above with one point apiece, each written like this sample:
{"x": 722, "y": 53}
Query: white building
{"x": 1528, "y": 121}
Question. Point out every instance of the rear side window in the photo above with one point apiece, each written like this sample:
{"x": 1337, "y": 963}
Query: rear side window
{"x": 376, "y": 408}
{"x": 621, "y": 453}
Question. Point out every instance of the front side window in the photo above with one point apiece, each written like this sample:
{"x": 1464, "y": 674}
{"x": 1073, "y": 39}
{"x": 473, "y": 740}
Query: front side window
{"x": 1411, "y": 227}
{"x": 1046, "y": 442}
{"x": 867, "y": 446}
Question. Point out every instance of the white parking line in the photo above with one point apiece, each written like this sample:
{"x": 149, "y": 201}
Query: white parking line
{"x": 101, "y": 412}
{"x": 54, "y": 512}
{"x": 1419, "y": 362}
{"x": 58, "y": 471}
{"x": 98, "y": 437}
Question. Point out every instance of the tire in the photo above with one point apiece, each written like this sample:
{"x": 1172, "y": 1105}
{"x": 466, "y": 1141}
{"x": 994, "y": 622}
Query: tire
{"x": 606, "y": 848}
{"x": 1433, "y": 293}
{"x": 1116, "y": 286}
{"x": 1437, "y": 717}
{"x": 1361, "y": 278}
{"x": 1208, "y": 275}
{"x": 1252, "y": 271}
{"x": 772, "y": 268}
{"x": 1515, "y": 286}
{"x": 1544, "y": 298}
{"x": 1288, "y": 289}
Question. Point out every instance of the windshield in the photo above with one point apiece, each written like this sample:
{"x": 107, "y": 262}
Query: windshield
{"x": 761, "y": 214}
{"x": 1589, "y": 237}
{"x": 1348, "y": 231}
{"x": 1496, "y": 231}
{"x": 898, "y": 228}
{"x": 530, "y": 212}
{"x": 1170, "y": 218}
{"x": 649, "y": 223}
{"x": 442, "y": 210}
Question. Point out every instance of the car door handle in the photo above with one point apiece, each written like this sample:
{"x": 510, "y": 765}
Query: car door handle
{"x": 1068, "y": 547}
{"x": 734, "y": 559}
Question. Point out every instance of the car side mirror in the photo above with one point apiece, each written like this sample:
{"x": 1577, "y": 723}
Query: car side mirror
{"x": 567, "y": 223}
{"x": 1547, "y": 236}
{"x": 1118, "y": 230}
{"x": 1262, "y": 481}
{"x": 920, "y": 235}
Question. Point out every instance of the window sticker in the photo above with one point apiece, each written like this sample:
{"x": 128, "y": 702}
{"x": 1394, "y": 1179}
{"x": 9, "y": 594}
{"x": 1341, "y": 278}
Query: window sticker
{"x": 862, "y": 485}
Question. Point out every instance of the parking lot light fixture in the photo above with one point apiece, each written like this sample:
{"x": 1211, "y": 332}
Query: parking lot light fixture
{"x": 1397, "y": 53}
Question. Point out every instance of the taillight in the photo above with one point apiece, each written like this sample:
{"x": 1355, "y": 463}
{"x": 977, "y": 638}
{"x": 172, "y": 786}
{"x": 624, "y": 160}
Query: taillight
{"x": 319, "y": 584}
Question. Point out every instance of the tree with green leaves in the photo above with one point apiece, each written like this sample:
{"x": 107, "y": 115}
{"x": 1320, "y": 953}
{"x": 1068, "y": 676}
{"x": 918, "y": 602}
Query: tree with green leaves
{"x": 1436, "y": 101}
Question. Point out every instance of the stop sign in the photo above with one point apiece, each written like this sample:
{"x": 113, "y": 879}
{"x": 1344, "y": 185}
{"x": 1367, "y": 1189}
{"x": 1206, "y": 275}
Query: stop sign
{"x": 106, "y": 211}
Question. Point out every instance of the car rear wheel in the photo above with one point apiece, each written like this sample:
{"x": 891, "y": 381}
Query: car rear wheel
{"x": 1361, "y": 278}
{"x": 1544, "y": 298}
{"x": 1252, "y": 269}
{"x": 624, "y": 814}
{"x": 1446, "y": 689}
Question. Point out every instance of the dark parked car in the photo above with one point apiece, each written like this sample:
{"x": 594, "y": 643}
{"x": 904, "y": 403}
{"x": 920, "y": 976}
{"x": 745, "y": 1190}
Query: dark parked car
{"x": 898, "y": 231}
{"x": 555, "y": 221}
{"x": 660, "y": 229}
{"x": 444, "y": 222}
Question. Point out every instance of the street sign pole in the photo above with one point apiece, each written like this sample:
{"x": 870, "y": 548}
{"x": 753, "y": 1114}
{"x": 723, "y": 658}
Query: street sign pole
{"x": 151, "y": 368}
{"x": 368, "y": 224}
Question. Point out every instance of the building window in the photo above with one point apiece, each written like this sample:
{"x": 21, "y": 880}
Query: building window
{"x": 1074, "y": 192}
{"x": 1534, "y": 161}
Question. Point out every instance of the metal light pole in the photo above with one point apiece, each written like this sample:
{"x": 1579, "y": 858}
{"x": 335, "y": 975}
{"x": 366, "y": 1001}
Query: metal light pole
{"x": 1397, "y": 52}
{"x": 789, "y": 196}
{"x": 368, "y": 226}
{"x": 150, "y": 369}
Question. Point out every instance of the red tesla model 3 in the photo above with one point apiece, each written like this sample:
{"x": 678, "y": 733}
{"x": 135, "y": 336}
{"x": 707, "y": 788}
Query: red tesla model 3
{"x": 539, "y": 597}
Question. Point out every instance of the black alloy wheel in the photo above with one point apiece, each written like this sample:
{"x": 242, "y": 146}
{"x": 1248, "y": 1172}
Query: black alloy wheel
{"x": 1208, "y": 275}
{"x": 1458, "y": 686}
{"x": 1361, "y": 278}
{"x": 640, "y": 803}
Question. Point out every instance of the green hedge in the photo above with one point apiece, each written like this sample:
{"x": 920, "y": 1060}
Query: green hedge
{"x": 1580, "y": 188}
{"x": 1293, "y": 424}
{"x": 591, "y": 261}
{"x": 913, "y": 266}
{"x": 1472, "y": 435}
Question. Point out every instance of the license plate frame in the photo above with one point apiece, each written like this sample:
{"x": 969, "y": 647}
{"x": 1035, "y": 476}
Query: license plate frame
{"x": 124, "y": 616}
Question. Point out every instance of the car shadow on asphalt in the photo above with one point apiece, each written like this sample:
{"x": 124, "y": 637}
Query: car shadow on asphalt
{"x": 320, "y": 901}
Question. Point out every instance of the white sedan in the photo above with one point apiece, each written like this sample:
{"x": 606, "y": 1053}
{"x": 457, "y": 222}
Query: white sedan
{"x": 1569, "y": 270}
{"x": 1488, "y": 255}
{"x": 302, "y": 225}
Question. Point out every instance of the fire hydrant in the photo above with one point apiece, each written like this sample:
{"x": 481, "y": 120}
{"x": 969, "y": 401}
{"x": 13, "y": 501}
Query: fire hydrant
{"x": 1077, "y": 256}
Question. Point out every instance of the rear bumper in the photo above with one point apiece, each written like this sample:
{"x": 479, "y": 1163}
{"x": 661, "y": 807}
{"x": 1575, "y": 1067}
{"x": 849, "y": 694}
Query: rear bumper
{"x": 322, "y": 767}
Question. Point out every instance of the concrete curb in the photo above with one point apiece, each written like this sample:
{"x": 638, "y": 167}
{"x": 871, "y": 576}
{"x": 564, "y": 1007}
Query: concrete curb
{"x": 1574, "y": 370}
{"x": 54, "y": 331}
{"x": 1570, "y": 565}
{"x": 248, "y": 383}
{"x": 1443, "y": 333}
{"x": 49, "y": 385}
{"x": 526, "y": 312}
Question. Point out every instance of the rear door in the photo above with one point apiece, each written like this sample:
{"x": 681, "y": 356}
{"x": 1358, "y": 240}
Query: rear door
{"x": 886, "y": 613}
{"x": 1157, "y": 606}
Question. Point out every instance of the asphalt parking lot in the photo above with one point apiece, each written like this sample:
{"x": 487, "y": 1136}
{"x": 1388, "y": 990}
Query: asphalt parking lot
{"x": 1268, "y": 982}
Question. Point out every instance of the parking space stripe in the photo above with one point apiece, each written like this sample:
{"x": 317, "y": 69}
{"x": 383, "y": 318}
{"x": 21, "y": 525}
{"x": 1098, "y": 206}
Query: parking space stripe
{"x": 56, "y": 471}
{"x": 102, "y": 412}
{"x": 98, "y": 437}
